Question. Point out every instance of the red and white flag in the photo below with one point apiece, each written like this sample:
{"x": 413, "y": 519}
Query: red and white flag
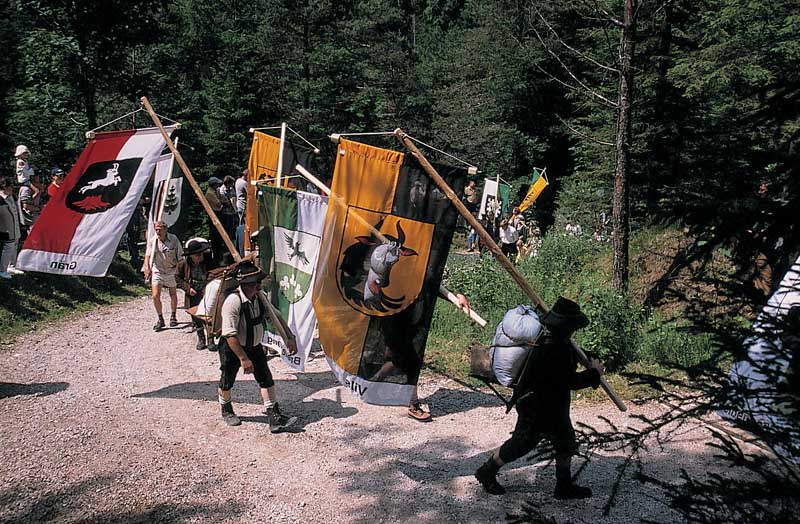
{"x": 78, "y": 232}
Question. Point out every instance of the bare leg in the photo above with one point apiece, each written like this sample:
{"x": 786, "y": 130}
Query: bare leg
{"x": 173, "y": 299}
{"x": 156, "y": 294}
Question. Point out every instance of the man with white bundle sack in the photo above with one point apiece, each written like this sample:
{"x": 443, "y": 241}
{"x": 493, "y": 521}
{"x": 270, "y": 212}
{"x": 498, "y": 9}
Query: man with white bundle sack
{"x": 542, "y": 381}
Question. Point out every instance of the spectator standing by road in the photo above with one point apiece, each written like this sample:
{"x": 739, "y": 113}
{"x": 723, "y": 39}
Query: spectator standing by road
{"x": 212, "y": 197}
{"x": 9, "y": 227}
{"x": 56, "y": 179}
{"x": 227, "y": 198}
{"x": 29, "y": 200}
{"x": 240, "y": 187}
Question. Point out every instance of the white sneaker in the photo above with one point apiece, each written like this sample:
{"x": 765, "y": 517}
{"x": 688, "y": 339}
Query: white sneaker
{"x": 5, "y": 275}
{"x": 14, "y": 271}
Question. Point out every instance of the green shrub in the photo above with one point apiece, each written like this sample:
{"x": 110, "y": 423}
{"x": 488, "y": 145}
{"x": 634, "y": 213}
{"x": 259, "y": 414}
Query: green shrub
{"x": 613, "y": 334}
{"x": 672, "y": 344}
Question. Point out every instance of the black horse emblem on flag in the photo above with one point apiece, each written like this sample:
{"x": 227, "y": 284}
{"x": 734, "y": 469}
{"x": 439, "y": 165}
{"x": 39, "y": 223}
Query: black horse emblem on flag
{"x": 366, "y": 268}
{"x": 102, "y": 186}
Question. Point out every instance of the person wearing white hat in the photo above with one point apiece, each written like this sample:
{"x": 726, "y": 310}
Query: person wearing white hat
{"x": 24, "y": 171}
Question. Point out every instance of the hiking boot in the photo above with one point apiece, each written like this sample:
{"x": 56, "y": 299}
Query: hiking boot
{"x": 229, "y": 416}
{"x": 159, "y": 325}
{"x": 571, "y": 490}
{"x": 173, "y": 322}
{"x": 201, "y": 344}
{"x": 487, "y": 476}
{"x": 416, "y": 412}
{"x": 278, "y": 421}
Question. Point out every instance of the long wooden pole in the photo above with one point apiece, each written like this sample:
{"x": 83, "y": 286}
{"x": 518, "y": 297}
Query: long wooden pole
{"x": 495, "y": 249}
{"x": 279, "y": 173}
{"x": 192, "y": 182}
{"x": 275, "y": 318}
{"x": 449, "y": 295}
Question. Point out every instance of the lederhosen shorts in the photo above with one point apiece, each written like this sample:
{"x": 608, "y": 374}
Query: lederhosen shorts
{"x": 528, "y": 432}
{"x": 229, "y": 363}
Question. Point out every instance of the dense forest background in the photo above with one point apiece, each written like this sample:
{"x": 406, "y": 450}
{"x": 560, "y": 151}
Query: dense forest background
{"x": 507, "y": 85}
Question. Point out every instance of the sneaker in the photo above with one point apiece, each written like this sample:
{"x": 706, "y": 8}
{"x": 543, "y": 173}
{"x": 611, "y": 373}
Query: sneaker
{"x": 5, "y": 275}
{"x": 159, "y": 325}
{"x": 278, "y": 421}
{"x": 229, "y": 416}
{"x": 173, "y": 322}
{"x": 571, "y": 491}
{"x": 416, "y": 412}
{"x": 488, "y": 479}
{"x": 14, "y": 271}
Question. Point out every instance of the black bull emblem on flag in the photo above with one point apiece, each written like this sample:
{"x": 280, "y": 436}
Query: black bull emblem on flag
{"x": 371, "y": 260}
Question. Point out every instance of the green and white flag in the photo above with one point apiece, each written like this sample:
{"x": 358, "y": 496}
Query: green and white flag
{"x": 288, "y": 243}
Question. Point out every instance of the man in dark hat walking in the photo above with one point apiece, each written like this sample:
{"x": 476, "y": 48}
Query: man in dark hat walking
{"x": 243, "y": 314}
{"x": 192, "y": 275}
{"x": 542, "y": 400}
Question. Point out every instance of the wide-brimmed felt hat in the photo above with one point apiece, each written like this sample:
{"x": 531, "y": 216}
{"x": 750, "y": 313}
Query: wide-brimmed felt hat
{"x": 565, "y": 315}
{"x": 195, "y": 246}
{"x": 214, "y": 181}
{"x": 248, "y": 273}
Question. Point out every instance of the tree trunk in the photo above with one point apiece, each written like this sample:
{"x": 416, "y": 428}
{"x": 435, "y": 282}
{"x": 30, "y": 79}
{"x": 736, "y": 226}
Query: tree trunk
{"x": 621, "y": 213}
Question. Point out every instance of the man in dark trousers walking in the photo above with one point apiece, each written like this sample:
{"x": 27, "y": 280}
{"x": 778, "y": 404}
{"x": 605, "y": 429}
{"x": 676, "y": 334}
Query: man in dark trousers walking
{"x": 542, "y": 400}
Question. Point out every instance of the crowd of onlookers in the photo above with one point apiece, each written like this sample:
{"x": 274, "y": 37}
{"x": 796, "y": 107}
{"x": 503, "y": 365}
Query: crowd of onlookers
{"x": 510, "y": 232}
{"x": 17, "y": 215}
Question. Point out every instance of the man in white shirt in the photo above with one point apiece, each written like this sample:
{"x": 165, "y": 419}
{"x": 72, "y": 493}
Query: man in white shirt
{"x": 241, "y": 193}
{"x": 508, "y": 239}
{"x": 164, "y": 251}
{"x": 243, "y": 314}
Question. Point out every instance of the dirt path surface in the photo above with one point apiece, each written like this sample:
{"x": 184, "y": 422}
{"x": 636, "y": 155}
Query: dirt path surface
{"x": 105, "y": 421}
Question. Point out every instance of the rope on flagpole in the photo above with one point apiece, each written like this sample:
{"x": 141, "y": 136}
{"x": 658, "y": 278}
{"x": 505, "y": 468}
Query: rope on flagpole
{"x": 90, "y": 134}
{"x": 471, "y": 168}
{"x": 314, "y": 148}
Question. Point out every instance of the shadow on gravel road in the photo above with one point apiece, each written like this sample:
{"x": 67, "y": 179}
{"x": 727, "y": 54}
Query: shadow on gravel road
{"x": 12, "y": 389}
{"x": 450, "y": 401}
{"x": 245, "y": 390}
{"x": 93, "y": 502}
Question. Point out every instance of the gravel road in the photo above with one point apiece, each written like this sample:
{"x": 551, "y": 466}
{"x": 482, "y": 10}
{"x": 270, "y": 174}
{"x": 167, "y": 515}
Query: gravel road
{"x": 105, "y": 421}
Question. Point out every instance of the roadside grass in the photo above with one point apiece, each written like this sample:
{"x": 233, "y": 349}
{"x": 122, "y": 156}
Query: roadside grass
{"x": 30, "y": 300}
{"x": 630, "y": 339}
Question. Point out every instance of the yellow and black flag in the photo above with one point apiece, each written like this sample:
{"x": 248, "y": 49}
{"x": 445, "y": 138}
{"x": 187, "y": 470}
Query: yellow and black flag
{"x": 263, "y": 167}
{"x": 374, "y": 294}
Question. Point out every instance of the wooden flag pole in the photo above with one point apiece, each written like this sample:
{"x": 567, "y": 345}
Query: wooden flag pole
{"x": 475, "y": 317}
{"x": 280, "y": 155}
{"x": 495, "y": 249}
{"x": 192, "y": 182}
